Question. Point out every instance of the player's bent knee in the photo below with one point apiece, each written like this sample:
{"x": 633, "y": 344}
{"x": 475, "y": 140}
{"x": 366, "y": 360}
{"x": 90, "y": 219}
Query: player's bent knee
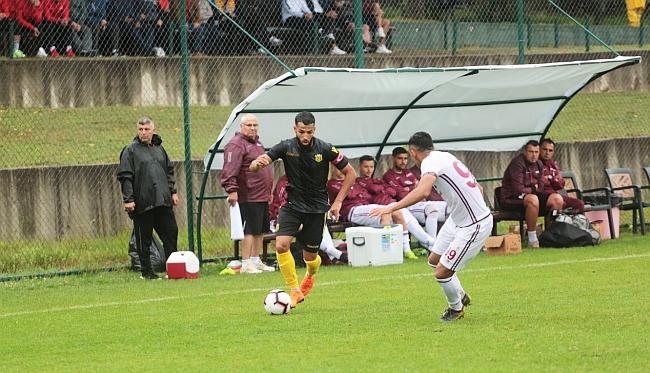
{"x": 443, "y": 272}
{"x": 434, "y": 259}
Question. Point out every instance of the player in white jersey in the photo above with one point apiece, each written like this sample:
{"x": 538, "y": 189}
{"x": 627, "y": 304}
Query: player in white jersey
{"x": 464, "y": 233}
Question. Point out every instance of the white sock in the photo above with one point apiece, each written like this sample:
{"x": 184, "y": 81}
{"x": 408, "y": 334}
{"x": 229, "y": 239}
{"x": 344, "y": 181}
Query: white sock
{"x": 245, "y": 262}
{"x": 16, "y": 45}
{"x": 406, "y": 241}
{"x": 255, "y": 260}
{"x": 68, "y": 47}
{"x": 431, "y": 223}
{"x": 451, "y": 287}
{"x": 52, "y": 48}
{"x": 416, "y": 230}
{"x": 327, "y": 246}
{"x": 532, "y": 236}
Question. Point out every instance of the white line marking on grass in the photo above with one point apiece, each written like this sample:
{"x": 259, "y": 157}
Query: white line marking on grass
{"x": 326, "y": 283}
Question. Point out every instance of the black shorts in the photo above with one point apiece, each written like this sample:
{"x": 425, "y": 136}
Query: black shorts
{"x": 255, "y": 217}
{"x": 313, "y": 225}
{"x": 517, "y": 205}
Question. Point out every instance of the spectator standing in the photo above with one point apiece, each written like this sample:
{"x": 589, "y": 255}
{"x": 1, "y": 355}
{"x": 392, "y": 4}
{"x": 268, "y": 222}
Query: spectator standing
{"x": 463, "y": 235}
{"x": 252, "y": 191}
{"x": 149, "y": 193}
{"x": 306, "y": 162}
{"x": 523, "y": 190}
{"x": 82, "y": 36}
{"x": 553, "y": 180}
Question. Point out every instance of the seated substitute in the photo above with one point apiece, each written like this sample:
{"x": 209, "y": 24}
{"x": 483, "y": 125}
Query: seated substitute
{"x": 523, "y": 190}
{"x": 356, "y": 206}
{"x": 553, "y": 180}
{"x": 427, "y": 212}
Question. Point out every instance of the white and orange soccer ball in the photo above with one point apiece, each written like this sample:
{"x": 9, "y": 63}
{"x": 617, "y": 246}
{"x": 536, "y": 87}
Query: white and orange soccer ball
{"x": 277, "y": 302}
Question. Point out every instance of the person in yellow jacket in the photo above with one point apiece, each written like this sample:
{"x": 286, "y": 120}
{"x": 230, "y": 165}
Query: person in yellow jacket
{"x": 635, "y": 10}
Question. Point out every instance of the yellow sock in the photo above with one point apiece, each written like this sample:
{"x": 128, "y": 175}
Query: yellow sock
{"x": 312, "y": 267}
{"x": 288, "y": 268}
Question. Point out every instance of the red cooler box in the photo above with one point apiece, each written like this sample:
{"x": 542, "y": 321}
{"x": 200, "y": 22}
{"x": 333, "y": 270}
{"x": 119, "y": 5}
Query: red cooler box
{"x": 183, "y": 264}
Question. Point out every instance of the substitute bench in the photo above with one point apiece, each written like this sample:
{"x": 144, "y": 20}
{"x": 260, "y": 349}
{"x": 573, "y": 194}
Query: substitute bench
{"x": 268, "y": 237}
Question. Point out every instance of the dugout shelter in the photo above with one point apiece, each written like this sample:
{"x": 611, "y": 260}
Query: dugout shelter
{"x": 363, "y": 111}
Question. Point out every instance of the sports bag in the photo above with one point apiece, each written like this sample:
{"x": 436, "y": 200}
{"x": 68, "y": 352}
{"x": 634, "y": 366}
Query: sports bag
{"x": 561, "y": 235}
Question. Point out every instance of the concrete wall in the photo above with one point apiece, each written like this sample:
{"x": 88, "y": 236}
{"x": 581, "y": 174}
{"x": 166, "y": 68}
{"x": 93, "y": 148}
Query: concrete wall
{"x": 85, "y": 201}
{"x": 226, "y": 80}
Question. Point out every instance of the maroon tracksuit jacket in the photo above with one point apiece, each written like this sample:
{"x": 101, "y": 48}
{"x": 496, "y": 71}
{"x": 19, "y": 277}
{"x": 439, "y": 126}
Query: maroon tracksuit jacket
{"x": 357, "y": 196}
{"x": 236, "y": 176}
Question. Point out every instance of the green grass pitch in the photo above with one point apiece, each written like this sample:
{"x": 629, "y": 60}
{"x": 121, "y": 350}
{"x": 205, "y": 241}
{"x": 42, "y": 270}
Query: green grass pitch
{"x": 545, "y": 310}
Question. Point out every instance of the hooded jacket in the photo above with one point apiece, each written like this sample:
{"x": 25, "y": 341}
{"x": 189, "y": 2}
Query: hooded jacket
{"x": 146, "y": 175}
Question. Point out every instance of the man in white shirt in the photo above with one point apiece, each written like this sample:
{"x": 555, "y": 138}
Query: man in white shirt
{"x": 468, "y": 226}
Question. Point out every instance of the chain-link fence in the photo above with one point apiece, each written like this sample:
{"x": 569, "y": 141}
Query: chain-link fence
{"x": 65, "y": 119}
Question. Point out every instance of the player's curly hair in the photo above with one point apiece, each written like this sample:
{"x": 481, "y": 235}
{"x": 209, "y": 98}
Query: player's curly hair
{"x": 421, "y": 141}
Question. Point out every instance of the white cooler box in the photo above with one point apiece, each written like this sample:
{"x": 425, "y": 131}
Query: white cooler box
{"x": 183, "y": 264}
{"x": 374, "y": 246}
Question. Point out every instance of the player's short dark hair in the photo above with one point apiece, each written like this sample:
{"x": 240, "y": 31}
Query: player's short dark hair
{"x": 547, "y": 140}
{"x": 534, "y": 143}
{"x": 399, "y": 150}
{"x": 421, "y": 141}
{"x": 305, "y": 118}
{"x": 367, "y": 158}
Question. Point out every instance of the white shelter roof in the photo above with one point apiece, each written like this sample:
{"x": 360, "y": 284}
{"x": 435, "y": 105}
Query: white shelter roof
{"x": 363, "y": 111}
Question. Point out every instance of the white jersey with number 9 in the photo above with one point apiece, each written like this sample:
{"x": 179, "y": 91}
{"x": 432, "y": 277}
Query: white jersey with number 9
{"x": 457, "y": 186}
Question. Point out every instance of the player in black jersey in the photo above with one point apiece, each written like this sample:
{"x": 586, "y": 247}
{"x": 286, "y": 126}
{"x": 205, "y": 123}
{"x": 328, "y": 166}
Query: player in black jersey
{"x": 306, "y": 163}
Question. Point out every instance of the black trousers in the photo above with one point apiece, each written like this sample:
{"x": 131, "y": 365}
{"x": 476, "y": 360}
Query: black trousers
{"x": 161, "y": 219}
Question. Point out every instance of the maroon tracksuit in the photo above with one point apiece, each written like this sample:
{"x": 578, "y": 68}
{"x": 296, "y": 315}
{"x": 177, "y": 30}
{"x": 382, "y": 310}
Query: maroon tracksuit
{"x": 279, "y": 197}
{"x": 236, "y": 175}
{"x": 520, "y": 178}
{"x": 357, "y": 196}
{"x": 553, "y": 182}
{"x": 381, "y": 193}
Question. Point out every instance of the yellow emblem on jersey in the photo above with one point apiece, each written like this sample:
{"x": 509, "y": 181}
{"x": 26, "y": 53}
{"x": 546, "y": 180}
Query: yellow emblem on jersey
{"x": 334, "y": 149}
{"x": 318, "y": 157}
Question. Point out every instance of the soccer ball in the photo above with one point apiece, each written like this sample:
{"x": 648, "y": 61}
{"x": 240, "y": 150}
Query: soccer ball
{"x": 581, "y": 222}
{"x": 564, "y": 219}
{"x": 277, "y": 302}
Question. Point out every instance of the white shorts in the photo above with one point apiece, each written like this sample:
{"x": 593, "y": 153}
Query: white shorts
{"x": 421, "y": 210}
{"x": 359, "y": 215}
{"x": 458, "y": 246}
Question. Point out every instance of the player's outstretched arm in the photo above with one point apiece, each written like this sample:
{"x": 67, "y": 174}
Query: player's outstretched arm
{"x": 416, "y": 195}
{"x": 350, "y": 177}
{"x": 259, "y": 163}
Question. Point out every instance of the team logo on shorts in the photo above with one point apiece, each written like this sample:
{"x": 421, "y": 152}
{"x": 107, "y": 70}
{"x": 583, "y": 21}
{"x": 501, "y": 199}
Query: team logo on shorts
{"x": 318, "y": 157}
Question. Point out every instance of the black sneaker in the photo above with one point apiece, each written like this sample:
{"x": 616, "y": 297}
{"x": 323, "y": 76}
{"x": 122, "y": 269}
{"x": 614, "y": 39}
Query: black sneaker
{"x": 467, "y": 300}
{"x": 344, "y": 257}
{"x": 150, "y": 276}
{"x": 451, "y": 315}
